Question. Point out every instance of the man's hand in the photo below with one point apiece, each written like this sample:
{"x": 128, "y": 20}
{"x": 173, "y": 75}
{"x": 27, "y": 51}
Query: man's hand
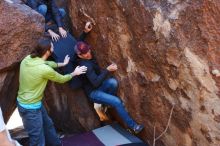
{"x": 65, "y": 61}
{"x": 112, "y": 67}
{"x": 54, "y": 36}
{"x": 88, "y": 27}
{"x": 79, "y": 70}
{"x": 63, "y": 32}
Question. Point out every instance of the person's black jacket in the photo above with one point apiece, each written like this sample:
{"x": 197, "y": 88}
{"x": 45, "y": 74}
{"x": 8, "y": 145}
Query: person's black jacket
{"x": 53, "y": 13}
{"x": 94, "y": 76}
{"x": 63, "y": 47}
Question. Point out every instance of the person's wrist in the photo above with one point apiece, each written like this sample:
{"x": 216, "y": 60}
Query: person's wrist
{"x": 60, "y": 28}
{"x": 73, "y": 74}
{"x": 49, "y": 30}
{"x": 106, "y": 70}
{"x": 86, "y": 31}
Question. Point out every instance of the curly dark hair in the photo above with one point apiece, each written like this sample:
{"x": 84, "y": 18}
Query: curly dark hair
{"x": 43, "y": 45}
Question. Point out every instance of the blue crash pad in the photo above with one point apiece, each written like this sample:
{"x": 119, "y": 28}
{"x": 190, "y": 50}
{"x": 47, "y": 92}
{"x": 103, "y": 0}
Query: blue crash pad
{"x": 63, "y": 47}
{"x": 110, "y": 135}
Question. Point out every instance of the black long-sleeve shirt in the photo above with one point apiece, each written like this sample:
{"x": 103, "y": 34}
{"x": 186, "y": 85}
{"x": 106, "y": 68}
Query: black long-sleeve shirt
{"x": 52, "y": 11}
{"x": 94, "y": 76}
{"x": 63, "y": 47}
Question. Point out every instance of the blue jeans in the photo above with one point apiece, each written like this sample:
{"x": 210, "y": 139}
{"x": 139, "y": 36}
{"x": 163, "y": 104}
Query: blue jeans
{"x": 39, "y": 127}
{"x": 106, "y": 94}
{"x": 42, "y": 9}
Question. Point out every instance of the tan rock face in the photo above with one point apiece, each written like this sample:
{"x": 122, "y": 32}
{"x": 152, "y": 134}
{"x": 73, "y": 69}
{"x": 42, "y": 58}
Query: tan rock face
{"x": 165, "y": 51}
{"x": 20, "y": 28}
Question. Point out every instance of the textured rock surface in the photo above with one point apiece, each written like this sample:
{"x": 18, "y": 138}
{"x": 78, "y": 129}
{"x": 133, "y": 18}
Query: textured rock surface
{"x": 165, "y": 50}
{"x": 20, "y": 28}
{"x": 70, "y": 110}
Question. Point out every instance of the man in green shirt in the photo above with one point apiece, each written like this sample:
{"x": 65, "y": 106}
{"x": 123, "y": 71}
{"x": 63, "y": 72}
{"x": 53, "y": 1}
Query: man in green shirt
{"x": 35, "y": 72}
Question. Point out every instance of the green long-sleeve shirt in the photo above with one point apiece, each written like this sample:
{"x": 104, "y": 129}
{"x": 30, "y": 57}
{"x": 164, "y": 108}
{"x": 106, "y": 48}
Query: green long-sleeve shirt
{"x": 33, "y": 78}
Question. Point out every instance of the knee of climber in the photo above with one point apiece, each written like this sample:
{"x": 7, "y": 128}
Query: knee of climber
{"x": 118, "y": 102}
{"x": 42, "y": 9}
{"x": 113, "y": 82}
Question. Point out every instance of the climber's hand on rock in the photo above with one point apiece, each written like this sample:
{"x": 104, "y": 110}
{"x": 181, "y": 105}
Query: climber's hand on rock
{"x": 62, "y": 32}
{"x": 54, "y": 36}
{"x": 88, "y": 27}
{"x": 216, "y": 72}
{"x": 112, "y": 67}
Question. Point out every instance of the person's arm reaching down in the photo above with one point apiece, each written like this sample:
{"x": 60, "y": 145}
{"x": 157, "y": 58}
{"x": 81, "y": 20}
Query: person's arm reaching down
{"x": 54, "y": 36}
{"x": 58, "y": 19}
{"x": 56, "y": 14}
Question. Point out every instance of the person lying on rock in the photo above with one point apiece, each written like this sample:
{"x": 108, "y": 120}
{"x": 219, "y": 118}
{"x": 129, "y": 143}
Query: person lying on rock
{"x": 5, "y": 138}
{"x": 35, "y": 71}
{"x": 51, "y": 13}
{"x": 99, "y": 87}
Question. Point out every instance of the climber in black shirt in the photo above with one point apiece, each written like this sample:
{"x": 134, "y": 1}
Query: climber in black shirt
{"x": 65, "y": 46}
{"x": 99, "y": 87}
